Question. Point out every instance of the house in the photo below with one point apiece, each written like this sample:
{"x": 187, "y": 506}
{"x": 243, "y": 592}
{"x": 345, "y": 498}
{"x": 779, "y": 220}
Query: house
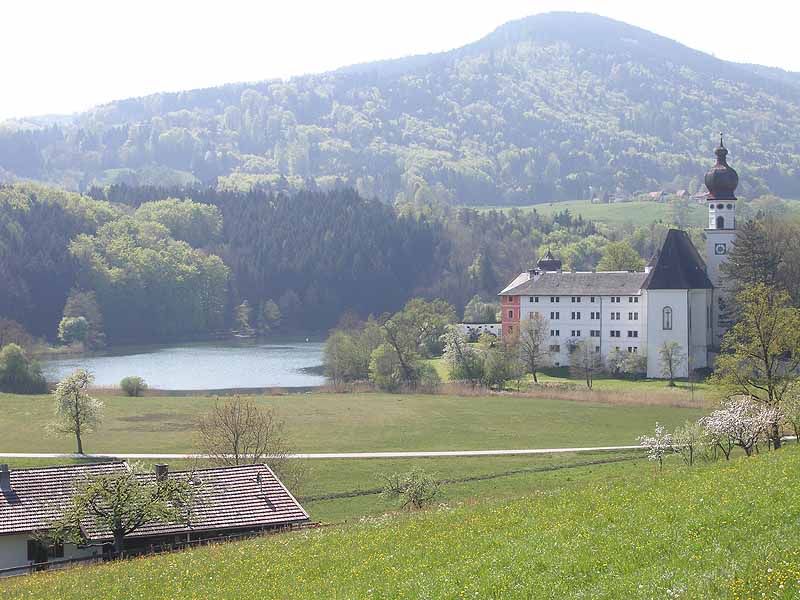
{"x": 676, "y": 298}
{"x": 229, "y": 500}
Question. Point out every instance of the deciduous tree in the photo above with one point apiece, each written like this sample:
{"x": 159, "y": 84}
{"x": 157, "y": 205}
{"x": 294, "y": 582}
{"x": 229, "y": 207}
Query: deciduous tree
{"x": 76, "y": 412}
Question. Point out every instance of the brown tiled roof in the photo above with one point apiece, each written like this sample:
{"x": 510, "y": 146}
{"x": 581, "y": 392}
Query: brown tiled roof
{"x": 38, "y": 496}
{"x": 243, "y": 497}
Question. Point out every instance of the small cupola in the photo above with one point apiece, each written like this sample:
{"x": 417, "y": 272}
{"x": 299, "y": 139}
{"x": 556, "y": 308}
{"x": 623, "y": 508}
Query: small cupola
{"x": 721, "y": 179}
{"x": 548, "y": 262}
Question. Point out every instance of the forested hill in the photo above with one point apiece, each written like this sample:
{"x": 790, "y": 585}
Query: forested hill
{"x": 554, "y": 106}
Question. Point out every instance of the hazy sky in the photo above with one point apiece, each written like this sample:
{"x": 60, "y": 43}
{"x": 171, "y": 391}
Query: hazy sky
{"x": 66, "y": 56}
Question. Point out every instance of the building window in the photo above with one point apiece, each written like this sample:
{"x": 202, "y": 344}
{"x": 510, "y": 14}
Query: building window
{"x": 591, "y": 299}
{"x": 555, "y": 348}
{"x": 555, "y": 333}
{"x": 633, "y": 316}
{"x": 576, "y": 316}
{"x": 555, "y": 316}
{"x": 510, "y": 314}
{"x": 594, "y": 333}
{"x": 595, "y": 315}
{"x": 576, "y": 333}
{"x": 510, "y": 329}
{"x": 615, "y": 299}
{"x": 632, "y": 349}
{"x": 720, "y": 222}
{"x": 633, "y": 334}
{"x": 666, "y": 318}
{"x": 615, "y": 316}
{"x": 597, "y": 348}
{"x": 615, "y": 333}
{"x": 576, "y": 299}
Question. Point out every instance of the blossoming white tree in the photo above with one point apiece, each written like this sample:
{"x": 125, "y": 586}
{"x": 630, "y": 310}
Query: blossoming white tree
{"x": 657, "y": 445}
{"x": 740, "y": 421}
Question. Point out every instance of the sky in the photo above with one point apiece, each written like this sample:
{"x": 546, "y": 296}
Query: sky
{"x": 60, "y": 57}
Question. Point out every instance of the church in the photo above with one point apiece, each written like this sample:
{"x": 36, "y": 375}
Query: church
{"x": 678, "y": 297}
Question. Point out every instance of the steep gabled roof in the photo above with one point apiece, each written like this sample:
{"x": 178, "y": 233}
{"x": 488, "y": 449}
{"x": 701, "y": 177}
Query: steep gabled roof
{"x": 677, "y": 265}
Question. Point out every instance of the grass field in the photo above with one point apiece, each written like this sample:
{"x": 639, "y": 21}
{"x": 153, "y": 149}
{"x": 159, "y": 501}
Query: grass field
{"x": 349, "y": 422}
{"x": 726, "y": 530}
{"x": 636, "y": 213}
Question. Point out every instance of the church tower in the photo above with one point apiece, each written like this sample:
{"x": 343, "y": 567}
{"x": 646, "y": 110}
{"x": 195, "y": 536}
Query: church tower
{"x": 721, "y": 181}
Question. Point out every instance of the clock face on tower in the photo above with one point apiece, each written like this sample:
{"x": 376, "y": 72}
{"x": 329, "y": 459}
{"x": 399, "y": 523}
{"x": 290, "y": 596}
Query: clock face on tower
{"x": 720, "y": 249}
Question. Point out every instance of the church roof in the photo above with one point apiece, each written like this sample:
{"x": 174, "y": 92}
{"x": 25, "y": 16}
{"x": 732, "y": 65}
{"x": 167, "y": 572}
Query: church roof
{"x": 677, "y": 265}
{"x": 581, "y": 283}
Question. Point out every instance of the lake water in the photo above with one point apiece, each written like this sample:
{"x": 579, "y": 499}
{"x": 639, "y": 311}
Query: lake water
{"x": 202, "y": 366}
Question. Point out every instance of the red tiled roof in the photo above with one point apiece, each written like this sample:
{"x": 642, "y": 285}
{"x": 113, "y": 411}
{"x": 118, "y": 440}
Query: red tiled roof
{"x": 38, "y": 496}
{"x": 242, "y": 497}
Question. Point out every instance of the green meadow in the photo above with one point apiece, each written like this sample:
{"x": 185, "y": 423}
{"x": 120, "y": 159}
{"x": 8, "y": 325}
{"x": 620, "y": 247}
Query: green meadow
{"x": 357, "y": 422}
{"x": 685, "y": 533}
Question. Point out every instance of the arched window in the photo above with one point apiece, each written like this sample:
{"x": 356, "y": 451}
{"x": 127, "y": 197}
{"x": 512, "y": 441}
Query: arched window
{"x": 666, "y": 318}
{"x": 720, "y": 222}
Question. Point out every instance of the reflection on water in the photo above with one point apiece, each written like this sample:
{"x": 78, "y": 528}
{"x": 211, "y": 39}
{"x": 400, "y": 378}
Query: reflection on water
{"x": 203, "y": 366}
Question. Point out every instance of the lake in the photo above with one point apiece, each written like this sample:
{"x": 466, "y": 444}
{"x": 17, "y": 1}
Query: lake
{"x": 202, "y": 366}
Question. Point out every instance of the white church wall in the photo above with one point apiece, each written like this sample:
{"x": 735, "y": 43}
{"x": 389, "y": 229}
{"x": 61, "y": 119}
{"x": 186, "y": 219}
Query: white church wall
{"x": 659, "y": 332}
{"x": 700, "y": 334}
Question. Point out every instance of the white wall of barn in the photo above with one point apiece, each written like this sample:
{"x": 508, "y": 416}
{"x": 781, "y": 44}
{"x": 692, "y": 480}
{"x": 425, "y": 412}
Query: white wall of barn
{"x": 14, "y": 551}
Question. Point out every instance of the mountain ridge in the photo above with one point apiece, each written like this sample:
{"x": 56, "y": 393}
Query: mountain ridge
{"x": 548, "y": 107}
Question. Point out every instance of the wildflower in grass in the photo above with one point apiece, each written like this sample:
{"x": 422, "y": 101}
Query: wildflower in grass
{"x": 657, "y": 445}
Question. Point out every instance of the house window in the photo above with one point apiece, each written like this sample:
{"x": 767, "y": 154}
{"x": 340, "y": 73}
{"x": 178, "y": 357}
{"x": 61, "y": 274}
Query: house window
{"x": 632, "y": 349}
{"x": 510, "y": 314}
{"x": 615, "y": 299}
{"x": 666, "y": 318}
{"x": 591, "y": 299}
{"x": 509, "y": 298}
{"x": 615, "y": 333}
{"x": 597, "y": 348}
{"x": 594, "y": 333}
{"x": 595, "y": 315}
{"x": 555, "y": 333}
{"x": 720, "y": 222}
{"x": 530, "y": 299}
{"x": 615, "y": 316}
{"x": 633, "y": 316}
{"x": 576, "y": 316}
{"x": 555, "y": 348}
{"x": 555, "y": 315}
{"x": 576, "y": 333}
{"x": 576, "y": 298}
{"x": 633, "y": 334}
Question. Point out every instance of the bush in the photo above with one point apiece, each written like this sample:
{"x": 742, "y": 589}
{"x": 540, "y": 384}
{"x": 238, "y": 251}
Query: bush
{"x": 18, "y": 373}
{"x": 133, "y": 386}
{"x": 429, "y": 380}
{"x": 414, "y": 489}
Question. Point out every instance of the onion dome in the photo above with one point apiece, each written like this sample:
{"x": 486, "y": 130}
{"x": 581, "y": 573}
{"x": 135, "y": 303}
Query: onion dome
{"x": 548, "y": 262}
{"x": 721, "y": 179}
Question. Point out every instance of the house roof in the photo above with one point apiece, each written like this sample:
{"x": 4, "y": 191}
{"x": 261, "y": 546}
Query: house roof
{"x": 39, "y": 496}
{"x": 240, "y": 497}
{"x": 601, "y": 283}
{"x": 677, "y": 265}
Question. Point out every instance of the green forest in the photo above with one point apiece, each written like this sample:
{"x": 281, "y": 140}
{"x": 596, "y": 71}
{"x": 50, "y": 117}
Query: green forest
{"x": 142, "y": 264}
{"x": 552, "y": 107}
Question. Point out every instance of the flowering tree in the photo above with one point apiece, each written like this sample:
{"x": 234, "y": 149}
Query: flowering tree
{"x": 76, "y": 412}
{"x": 740, "y": 421}
{"x": 761, "y": 354}
{"x": 657, "y": 445}
{"x": 689, "y": 439}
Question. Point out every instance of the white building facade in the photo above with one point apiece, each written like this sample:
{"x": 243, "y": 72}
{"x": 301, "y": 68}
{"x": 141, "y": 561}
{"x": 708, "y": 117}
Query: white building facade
{"x": 677, "y": 298}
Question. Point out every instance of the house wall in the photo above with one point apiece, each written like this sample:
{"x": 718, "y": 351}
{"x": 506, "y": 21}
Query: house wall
{"x": 14, "y": 551}
{"x": 583, "y": 325}
{"x": 510, "y": 310}
{"x": 678, "y": 301}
